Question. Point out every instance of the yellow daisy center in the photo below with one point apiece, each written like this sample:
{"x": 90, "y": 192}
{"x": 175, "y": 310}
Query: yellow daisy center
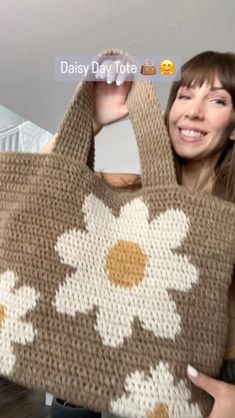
{"x": 125, "y": 264}
{"x": 2, "y": 314}
{"x": 160, "y": 411}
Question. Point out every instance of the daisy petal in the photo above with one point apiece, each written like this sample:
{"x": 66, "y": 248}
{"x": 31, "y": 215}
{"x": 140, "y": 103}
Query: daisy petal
{"x": 170, "y": 228}
{"x": 112, "y": 332}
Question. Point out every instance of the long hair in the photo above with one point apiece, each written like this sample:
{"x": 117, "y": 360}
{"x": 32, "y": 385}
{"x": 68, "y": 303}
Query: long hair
{"x": 203, "y": 68}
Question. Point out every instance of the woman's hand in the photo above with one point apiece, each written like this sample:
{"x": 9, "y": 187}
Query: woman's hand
{"x": 118, "y": 179}
{"x": 223, "y": 393}
{"x": 111, "y": 92}
{"x": 110, "y": 101}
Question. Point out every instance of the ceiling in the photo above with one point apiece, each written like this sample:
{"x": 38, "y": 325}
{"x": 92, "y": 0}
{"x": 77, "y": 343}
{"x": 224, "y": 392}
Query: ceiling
{"x": 35, "y": 32}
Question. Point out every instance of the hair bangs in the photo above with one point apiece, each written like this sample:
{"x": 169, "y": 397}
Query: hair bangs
{"x": 205, "y": 67}
{"x": 202, "y": 68}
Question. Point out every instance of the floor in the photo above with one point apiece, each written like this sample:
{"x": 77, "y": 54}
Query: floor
{"x": 18, "y": 402}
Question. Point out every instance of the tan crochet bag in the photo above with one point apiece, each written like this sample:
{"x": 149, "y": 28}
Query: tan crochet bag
{"x": 106, "y": 295}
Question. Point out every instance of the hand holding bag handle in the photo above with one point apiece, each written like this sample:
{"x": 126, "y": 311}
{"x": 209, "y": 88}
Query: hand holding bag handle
{"x": 76, "y": 135}
{"x": 115, "y": 287}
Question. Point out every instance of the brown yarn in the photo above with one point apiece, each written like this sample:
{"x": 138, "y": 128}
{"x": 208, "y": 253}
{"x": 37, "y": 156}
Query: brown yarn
{"x": 107, "y": 295}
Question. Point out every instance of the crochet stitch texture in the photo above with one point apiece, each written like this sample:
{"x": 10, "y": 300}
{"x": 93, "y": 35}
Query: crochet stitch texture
{"x": 113, "y": 292}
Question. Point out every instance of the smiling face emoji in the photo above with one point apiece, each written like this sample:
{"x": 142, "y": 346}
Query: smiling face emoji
{"x": 167, "y": 67}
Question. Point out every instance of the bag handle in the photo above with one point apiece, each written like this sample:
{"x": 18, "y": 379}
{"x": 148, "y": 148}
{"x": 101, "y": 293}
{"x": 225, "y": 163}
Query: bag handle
{"x": 75, "y": 136}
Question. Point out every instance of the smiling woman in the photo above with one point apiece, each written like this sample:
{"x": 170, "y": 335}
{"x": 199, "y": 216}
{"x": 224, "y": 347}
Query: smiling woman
{"x": 209, "y": 111}
{"x": 200, "y": 118}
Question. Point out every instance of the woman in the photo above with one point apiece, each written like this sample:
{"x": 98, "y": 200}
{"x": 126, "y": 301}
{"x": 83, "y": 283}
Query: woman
{"x": 200, "y": 118}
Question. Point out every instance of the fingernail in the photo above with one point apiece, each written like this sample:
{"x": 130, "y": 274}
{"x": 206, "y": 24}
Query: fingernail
{"x": 193, "y": 372}
{"x": 118, "y": 82}
{"x": 110, "y": 80}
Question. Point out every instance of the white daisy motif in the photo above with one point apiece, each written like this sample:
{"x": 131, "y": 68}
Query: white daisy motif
{"x": 124, "y": 267}
{"x": 14, "y": 304}
{"x": 156, "y": 396}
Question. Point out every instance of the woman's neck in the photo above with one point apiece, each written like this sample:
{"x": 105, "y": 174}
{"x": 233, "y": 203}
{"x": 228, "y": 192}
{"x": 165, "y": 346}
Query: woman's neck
{"x": 199, "y": 175}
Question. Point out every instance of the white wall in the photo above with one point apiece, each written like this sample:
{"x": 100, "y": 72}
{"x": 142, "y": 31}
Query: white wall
{"x": 35, "y": 32}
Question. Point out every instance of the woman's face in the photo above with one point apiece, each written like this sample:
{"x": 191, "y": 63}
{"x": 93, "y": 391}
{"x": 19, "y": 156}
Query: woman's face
{"x": 200, "y": 120}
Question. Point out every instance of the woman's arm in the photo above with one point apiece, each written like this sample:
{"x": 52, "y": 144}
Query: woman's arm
{"x": 114, "y": 179}
{"x": 47, "y": 148}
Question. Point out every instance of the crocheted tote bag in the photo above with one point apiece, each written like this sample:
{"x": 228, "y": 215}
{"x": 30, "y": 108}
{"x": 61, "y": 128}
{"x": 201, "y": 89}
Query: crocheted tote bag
{"x": 106, "y": 295}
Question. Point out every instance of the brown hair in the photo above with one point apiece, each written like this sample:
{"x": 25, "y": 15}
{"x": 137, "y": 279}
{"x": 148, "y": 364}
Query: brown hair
{"x": 204, "y": 67}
